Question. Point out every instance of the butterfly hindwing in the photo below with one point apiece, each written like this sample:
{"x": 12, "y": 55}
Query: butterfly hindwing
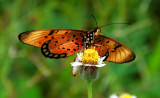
{"x": 113, "y": 50}
{"x": 63, "y": 46}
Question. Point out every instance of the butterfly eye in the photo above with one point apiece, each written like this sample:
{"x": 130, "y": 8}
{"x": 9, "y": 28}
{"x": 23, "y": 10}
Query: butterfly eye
{"x": 94, "y": 30}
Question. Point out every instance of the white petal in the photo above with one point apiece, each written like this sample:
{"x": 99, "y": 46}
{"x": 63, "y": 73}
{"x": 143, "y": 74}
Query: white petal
{"x": 75, "y": 70}
{"x": 76, "y": 64}
{"x": 134, "y": 97}
{"x": 113, "y": 96}
{"x": 100, "y": 60}
{"x": 100, "y": 65}
{"x": 79, "y": 56}
{"x": 88, "y": 65}
{"x": 76, "y": 59}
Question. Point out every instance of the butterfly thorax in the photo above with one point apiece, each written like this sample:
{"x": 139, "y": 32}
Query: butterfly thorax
{"x": 90, "y": 37}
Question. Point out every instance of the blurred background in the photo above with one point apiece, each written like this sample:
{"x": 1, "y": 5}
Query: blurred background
{"x": 26, "y": 73}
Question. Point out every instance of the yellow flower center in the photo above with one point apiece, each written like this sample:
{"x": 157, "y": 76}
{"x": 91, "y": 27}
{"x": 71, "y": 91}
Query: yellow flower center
{"x": 125, "y": 96}
{"x": 90, "y": 56}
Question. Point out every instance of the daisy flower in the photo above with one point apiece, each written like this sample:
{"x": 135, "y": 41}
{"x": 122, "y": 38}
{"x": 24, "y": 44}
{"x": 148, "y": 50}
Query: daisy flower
{"x": 88, "y": 59}
{"x": 125, "y": 95}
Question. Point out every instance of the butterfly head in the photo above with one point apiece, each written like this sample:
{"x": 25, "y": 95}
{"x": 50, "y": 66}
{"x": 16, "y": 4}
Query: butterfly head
{"x": 96, "y": 31}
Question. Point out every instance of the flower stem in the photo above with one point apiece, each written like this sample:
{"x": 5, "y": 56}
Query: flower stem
{"x": 89, "y": 84}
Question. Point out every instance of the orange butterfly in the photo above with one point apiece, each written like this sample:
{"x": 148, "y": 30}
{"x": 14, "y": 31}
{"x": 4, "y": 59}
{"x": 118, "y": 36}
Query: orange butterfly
{"x": 61, "y": 43}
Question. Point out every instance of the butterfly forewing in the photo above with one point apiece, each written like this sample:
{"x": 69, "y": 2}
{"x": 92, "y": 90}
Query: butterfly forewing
{"x": 113, "y": 50}
{"x": 55, "y": 43}
{"x": 38, "y": 37}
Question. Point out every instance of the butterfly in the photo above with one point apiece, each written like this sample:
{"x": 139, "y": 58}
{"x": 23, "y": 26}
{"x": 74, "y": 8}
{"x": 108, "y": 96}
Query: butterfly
{"x": 61, "y": 43}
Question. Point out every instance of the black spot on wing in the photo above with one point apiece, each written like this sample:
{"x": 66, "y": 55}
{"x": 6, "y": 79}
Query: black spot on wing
{"x": 68, "y": 49}
{"x": 77, "y": 44}
{"x": 51, "y": 32}
{"x": 107, "y": 42}
{"x": 62, "y": 37}
{"x": 46, "y": 37}
{"x": 66, "y": 32}
{"x": 117, "y": 46}
{"x": 99, "y": 41}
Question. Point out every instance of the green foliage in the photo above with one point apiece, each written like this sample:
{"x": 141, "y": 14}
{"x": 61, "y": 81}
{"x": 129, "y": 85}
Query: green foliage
{"x": 25, "y": 72}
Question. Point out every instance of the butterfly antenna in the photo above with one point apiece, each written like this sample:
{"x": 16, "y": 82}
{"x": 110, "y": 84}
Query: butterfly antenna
{"x": 115, "y": 23}
{"x": 95, "y": 19}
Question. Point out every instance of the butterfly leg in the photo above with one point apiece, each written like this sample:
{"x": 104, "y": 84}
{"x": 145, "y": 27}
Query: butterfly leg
{"x": 97, "y": 45}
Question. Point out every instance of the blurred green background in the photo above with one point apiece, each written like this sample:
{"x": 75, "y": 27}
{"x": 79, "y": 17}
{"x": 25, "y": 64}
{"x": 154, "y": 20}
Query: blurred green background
{"x": 26, "y": 73}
